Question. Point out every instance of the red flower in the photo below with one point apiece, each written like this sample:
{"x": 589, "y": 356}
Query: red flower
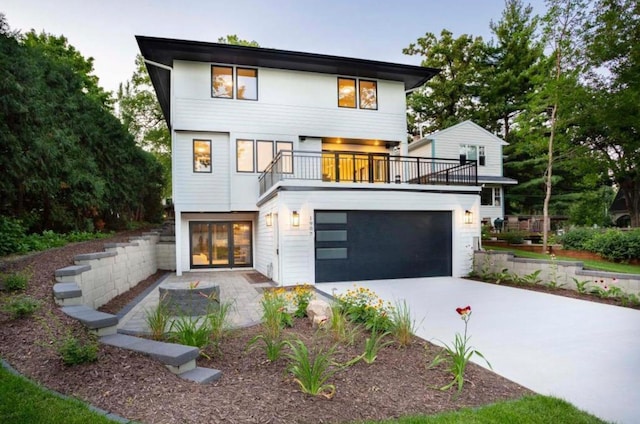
{"x": 463, "y": 311}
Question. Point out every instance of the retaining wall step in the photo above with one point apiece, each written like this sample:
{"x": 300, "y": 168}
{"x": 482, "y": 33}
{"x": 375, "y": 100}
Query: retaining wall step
{"x": 72, "y": 270}
{"x": 202, "y": 375}
{"x": 168, "y": 353}
{"x": 66, "y": 290}
{"x": 91, "y": 318}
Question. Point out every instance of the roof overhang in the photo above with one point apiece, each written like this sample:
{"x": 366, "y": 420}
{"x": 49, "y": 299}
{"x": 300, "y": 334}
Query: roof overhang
{"x": 165, "y": 51}
{"x": 482, "y": 179}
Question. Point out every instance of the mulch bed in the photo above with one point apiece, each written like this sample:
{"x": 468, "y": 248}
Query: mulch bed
{"x": 252, "y": 390}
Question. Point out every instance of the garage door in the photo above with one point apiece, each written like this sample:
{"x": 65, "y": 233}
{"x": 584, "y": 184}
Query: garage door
{"x": 371, "y": 245}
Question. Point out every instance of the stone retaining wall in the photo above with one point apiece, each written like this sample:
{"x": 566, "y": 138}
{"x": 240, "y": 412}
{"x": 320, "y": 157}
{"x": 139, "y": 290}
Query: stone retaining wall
{"x": 166, "y": 253}
{"x": 101, "y": 276}
{"x": 563, "y": 272}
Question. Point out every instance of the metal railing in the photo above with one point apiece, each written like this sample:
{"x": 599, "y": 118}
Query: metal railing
{"x": 361, "y": 167}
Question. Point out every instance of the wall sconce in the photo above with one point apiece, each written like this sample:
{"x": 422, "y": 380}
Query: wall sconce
{"x": 468, "y": 217}
{"x": 269, "y": 219}
{"x": 295, "y": 219}
{"x": 397, "y": 179}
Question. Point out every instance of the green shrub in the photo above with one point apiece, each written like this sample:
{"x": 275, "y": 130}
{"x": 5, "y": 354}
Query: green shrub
{"x": 16, "y": 281}
{"x": 21, "y": 306}
{"x": 616, "y": 245}
{"x": 12, "y": 235}
{"x": 513, "y": 237}
{"x": 75, "y": 352}
{"x": 363, "y": 306}
{"x": 578, "y": 238}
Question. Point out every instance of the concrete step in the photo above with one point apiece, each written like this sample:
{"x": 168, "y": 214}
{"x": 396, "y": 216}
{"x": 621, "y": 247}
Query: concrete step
{"x": 178, "y": 358}
{"x": 100, "y": 323}
{"x": 67, "y": 294}
{"x": 202, "y": 375}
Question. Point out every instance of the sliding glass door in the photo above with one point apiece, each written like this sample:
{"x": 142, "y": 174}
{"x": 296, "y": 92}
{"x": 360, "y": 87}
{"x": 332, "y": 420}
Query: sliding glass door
{"x": 220, "y": 244}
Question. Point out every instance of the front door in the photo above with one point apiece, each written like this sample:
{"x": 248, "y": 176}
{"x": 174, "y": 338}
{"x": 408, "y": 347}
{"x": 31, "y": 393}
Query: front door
{"x": 220, "y": 244}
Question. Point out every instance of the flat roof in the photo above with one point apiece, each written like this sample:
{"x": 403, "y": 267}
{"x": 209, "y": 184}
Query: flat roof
{"x": 165, "y": 50}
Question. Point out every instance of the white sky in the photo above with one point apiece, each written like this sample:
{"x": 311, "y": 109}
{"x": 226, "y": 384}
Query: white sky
{"x": 374, "y": 29}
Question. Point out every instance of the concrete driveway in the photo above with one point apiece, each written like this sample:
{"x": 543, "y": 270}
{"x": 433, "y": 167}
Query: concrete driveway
{"x": 584, "y": 352}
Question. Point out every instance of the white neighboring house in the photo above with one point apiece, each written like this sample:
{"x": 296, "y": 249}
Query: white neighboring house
{"x": 295, "y": 164}
{"x": 469, "y": 141}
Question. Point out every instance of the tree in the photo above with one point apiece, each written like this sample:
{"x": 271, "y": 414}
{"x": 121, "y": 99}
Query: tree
{"x": 610, "y": 118}
{"x": 449, "y": 97}
{"x": 513, "y": 60}
{"x": 235, "y": 40}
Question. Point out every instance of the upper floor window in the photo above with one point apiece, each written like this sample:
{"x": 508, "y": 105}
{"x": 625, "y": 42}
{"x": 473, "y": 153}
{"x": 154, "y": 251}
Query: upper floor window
{"x": 222, "y": 82}
{"x": 365, "y": 96}
{"x": 346, "y": 92}
{"x": 247, "y": 84}
{"x": 224, "y": 78}
{"x": 202, "y": 156}
{"x": 368, "y": 94}
{"x": 244, "y": 155}
{"x": 471, "y": 152}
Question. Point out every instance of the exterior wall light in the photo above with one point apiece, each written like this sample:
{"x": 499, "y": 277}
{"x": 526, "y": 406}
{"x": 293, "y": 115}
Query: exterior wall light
{"x": 295, "y": 219}
{"x": 269, "y": 219}
{"x": 468, "y": 217}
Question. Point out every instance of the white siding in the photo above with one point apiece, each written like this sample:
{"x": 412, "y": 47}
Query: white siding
{"x": 289, "y": 102}
{"x": 201, "y": 192}
{"x": 297, "y": 243}
{"x": 264, "y": 242}
{"x": 426, "y": 151}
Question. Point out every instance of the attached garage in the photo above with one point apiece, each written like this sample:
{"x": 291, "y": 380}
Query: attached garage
{"x": 371, "y": 245}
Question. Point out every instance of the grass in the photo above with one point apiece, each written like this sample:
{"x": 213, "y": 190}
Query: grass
{"x": 528, "y": 410}
{"x": 588, "y": 263}
{"x": 22, "y": 401}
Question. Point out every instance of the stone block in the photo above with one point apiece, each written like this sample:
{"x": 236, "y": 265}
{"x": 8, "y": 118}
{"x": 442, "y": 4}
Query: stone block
{"x": 90, "y": 317}
{"x": 202, "y": 375}
{"x": 72, "y": 270}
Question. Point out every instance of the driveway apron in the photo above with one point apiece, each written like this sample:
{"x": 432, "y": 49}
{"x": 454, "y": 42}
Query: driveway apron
{"x": 584, "y": 352}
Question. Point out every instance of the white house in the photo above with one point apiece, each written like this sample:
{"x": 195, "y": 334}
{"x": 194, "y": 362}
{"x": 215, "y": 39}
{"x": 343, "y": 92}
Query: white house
{"x": 295, "y": 164}
{"x": 469, "y": 141}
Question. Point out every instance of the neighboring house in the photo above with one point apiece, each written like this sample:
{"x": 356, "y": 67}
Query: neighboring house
{"x": 469, "y": 141}
{"x": 295, "y": 164}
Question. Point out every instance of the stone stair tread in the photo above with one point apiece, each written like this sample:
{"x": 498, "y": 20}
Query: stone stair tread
{"x": 66, "y": 290}
{"x": 167, "y": 353}
{"x": 90, "y": 317}
{"x": 202, "y": 375}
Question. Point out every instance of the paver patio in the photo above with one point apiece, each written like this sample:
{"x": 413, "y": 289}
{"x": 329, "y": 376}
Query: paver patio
{"x": 585, "y": 352}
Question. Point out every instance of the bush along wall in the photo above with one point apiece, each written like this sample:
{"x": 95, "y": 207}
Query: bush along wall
{"x": 612, "y": 244}
{"x": 497, "y": 266}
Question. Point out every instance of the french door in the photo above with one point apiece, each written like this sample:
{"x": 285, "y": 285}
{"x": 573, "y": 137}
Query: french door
{"x": 220, "y": 244}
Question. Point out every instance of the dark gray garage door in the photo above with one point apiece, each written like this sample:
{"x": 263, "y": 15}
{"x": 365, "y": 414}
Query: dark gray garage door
{"x": 371, "y": 245}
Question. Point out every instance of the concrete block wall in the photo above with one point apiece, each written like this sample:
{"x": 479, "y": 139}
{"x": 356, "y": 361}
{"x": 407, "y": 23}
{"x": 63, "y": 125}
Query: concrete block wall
{"x": 562, "y": 272}
{"x": 166, "y": 253}
{"x": 101, "y": 276}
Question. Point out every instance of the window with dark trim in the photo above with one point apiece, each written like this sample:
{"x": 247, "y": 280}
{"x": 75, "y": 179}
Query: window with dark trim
{"x": 347, "y": 92}
{"x": 368, "y": 94}
{"x": 481, "y": 157}
{"x": 264, "y": 154}
{"x": 247, "y": 84}
{"x": 244, "y": 156}
{"x": 222, "y": 82}
{"x": 202, "y": 156}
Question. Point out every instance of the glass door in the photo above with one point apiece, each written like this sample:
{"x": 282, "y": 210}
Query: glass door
{"x": 221, "y": 244}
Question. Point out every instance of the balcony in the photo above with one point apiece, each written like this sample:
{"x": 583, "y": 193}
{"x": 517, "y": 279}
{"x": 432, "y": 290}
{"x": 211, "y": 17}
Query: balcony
{"x": 362, "y": 167}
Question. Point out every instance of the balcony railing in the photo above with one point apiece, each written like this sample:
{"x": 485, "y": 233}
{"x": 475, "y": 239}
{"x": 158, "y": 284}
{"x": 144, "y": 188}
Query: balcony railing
{"x": 360, "y": 167}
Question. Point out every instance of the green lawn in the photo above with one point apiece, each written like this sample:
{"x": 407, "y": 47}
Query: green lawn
{"x": 588, "y": 263}
{"x": 528, "y": 410}
{"x": 22, "y": 401}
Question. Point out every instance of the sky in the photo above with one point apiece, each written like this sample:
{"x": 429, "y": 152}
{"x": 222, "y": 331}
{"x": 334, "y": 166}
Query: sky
{"x": 367, "y": 29}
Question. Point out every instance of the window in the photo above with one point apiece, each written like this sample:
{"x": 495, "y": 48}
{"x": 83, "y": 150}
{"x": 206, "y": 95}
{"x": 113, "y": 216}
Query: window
{"x": 247, "y": 84}
{"x": 481, "y": 157}
{"x": 346, "y": 92}
{"x": 368, "y": 94}
{"x": 222, "y": 82}
{"x": 287, "y": 159}
{"x": 244, "y": 155}
{"x": 202, "y": 156}
{"x": 491, "y": 196}
{"x": 264, "y": 150}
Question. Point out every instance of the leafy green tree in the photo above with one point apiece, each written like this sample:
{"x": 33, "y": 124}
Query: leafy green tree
{"x": 513, "y": 60}
{"x": 610, "y": 118}
{"x": 235, "y": 40}
{"x": 449, "y": 97}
